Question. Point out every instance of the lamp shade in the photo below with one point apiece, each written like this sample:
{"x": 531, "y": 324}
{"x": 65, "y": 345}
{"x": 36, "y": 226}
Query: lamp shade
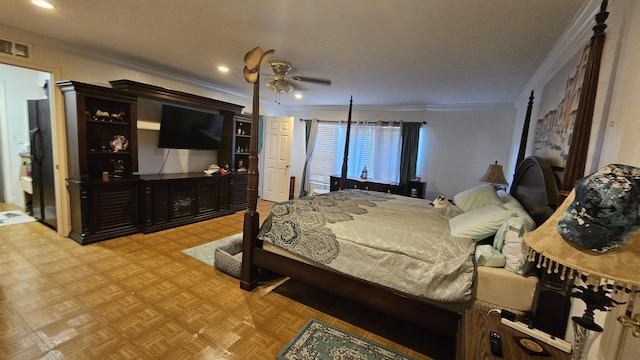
{"x": 494, "y": 175}
{"x": 621, "y": 265}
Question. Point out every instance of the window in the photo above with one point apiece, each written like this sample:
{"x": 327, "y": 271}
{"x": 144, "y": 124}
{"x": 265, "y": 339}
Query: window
{"x": 376, "y": 146}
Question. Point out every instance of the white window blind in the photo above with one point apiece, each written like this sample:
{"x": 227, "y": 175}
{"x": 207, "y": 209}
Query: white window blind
{"x": 374, "y": 145}
{"x": 324, "y": 161}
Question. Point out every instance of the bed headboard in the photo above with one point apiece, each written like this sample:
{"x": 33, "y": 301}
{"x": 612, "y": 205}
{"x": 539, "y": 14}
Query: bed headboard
{"x": 535, "y": 186}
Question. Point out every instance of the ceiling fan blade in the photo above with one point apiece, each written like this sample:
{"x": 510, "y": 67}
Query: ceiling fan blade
{"x": 312, "y": 80}
{"x": 298, "y": 87}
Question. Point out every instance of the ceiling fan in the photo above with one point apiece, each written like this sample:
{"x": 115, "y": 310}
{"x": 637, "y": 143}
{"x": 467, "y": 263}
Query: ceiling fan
{"x": 283, "y": 82}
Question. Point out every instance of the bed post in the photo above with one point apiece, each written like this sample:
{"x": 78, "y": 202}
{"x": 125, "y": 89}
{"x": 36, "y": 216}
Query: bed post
{"x": 577, "y": 156}
{"x": 552, "y": 298}
{"x": 343, "y": 176}
{"x": 525, "y": 133}
{"x": 253, "y": 60}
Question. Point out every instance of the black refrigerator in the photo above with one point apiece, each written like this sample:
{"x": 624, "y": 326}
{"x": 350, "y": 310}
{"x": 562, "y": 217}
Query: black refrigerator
{"x": 43, "y": 199}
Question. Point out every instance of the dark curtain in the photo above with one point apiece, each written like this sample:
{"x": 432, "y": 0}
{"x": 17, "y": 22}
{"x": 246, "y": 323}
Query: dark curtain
{"x": 410, "y": 137}
{"x": 307, "y": 133}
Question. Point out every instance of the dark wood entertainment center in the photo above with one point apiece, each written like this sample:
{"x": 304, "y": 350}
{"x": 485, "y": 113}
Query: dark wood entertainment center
{"x": 108, "y": 197}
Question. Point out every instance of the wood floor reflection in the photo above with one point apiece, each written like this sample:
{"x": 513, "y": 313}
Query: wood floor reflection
{"x": 140, "y": 297}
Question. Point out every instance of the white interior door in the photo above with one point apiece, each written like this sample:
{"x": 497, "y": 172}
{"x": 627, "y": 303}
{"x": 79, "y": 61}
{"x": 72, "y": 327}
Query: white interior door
{"x": 277, "y": 158}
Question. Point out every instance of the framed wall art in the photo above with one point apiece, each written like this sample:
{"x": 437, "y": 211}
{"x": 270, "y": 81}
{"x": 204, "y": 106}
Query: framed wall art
{"x": 559, "y": 107}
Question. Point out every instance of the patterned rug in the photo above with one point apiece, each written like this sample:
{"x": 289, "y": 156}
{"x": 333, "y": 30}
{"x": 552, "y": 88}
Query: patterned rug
{"x": 318, "y": 340}
{"x": 14, "y": 217}
{"x": 205, "y": 252}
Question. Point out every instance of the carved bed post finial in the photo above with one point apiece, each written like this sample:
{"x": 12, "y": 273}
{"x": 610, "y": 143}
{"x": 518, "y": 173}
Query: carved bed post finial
{"x": 253, "y": 61}
{"x": 577, "y": 156}
{"x": 343, "y": 176}
{"x": 525, "y": 132}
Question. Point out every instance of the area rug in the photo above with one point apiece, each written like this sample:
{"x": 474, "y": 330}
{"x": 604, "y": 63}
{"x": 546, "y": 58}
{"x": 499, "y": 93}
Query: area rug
{"x": 205, "y": 252}
{"x": 14, "y": 217}
{"x": 318, "y": 340}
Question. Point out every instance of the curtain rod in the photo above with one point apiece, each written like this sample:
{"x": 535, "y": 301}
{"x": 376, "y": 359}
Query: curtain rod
{"x": 423, "y": 122}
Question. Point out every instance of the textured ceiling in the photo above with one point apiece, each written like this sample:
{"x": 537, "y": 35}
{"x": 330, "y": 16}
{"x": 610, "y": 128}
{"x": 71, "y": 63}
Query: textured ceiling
{"x": 383, "y": 52}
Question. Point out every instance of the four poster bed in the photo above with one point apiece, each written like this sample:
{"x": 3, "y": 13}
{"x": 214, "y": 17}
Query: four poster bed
{"x": 359, "y": 236}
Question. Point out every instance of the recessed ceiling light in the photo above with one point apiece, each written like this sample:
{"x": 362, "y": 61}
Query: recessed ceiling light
{"x": 223, "y": 69}
{"x": 42, "y": 4}
{"x": 298, "y": 96}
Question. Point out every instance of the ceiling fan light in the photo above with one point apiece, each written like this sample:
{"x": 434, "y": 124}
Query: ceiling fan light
{"x": 42, "y": 3}
{"x": 280, "y": 86}
{"x": 288, "y": 87}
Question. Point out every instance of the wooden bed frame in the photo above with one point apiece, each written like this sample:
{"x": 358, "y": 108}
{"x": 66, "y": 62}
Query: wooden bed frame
{"x": 535, "y": 185}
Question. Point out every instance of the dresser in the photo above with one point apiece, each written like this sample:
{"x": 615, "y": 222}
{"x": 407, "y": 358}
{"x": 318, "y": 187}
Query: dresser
{"x": 411, "y": 188}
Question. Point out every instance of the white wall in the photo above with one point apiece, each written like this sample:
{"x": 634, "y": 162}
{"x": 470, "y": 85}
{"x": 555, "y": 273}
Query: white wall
{"x": 622, "y": 111}
{"x": 463, "y": 142}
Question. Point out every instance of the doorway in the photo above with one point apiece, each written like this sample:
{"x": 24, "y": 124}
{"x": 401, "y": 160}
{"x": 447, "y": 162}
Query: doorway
{"x": 19, "y": 85}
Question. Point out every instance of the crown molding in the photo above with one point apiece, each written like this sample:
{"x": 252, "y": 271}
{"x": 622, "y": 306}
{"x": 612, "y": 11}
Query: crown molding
{"x": 55, "y": 45}
{"x": 403, "y": 108}
{"x": 575, "y": 37}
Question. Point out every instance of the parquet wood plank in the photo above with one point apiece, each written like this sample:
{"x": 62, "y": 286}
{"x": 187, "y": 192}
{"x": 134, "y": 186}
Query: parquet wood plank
{"x": 140, "y": 297}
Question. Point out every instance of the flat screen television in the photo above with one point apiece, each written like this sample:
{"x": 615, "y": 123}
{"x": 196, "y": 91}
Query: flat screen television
{"x": 182, "y": 128}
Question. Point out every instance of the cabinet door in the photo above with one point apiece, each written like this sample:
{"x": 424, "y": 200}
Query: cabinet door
{"x": 148, "y": 193}
{"x": 238, "y": 191}
{"x": 161, "y": 203}
{"x": 208, "y": 191}
{"x": 224, "y": 198}
{"x": 183, "y": 200}
{"x": 114, "y": 207}
{"x": 156, "y": 202}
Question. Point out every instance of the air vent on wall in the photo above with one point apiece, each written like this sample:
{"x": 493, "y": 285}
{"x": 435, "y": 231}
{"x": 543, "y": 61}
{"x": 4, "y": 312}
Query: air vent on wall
{"x": 8, "y": 47}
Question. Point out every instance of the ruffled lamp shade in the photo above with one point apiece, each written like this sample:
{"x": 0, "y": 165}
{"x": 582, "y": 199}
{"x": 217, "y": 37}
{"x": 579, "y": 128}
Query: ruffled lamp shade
{"x": 494, "y": 175}
{"x": 594, "y": 236}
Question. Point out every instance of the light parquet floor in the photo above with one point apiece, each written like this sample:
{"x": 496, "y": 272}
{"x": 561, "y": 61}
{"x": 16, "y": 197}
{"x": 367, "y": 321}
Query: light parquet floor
{"x": 139, "y": 297}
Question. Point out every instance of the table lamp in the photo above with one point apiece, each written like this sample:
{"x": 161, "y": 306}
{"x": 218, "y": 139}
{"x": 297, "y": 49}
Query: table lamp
{"x": 594, "y": 236}
{"x": 494, "y": 175}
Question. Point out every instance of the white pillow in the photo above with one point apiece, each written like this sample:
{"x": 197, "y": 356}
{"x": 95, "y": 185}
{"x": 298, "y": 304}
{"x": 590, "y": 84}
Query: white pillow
{"x": 477, "y": 197}
{"x": 486, "y": 255}
{"x": 512, "y": 203}
{"x": 509, "y": 240}
{"x": 479, "y": 223}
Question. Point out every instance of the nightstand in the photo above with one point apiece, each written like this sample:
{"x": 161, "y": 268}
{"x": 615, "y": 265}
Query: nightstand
{"x": 478, "y": 324}
{"x": 415, "y": 189}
